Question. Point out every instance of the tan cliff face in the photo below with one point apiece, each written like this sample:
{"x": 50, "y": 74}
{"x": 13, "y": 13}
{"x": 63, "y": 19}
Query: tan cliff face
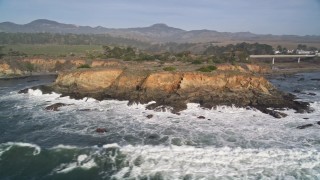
{"x": 44, "y": 65}
{"x": 164, "y": 81}
{"x": 7, "y": 70}
{"x": 104, "y": 63}
{"x": 85, "y": 80}
{"x": 19, "y": 67}
{"x": 253, "y": 68}
{"x": 100, "y": 80}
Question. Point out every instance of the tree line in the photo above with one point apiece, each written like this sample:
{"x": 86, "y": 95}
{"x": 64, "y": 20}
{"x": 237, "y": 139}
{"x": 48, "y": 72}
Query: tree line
{"x": 67, "y": 39}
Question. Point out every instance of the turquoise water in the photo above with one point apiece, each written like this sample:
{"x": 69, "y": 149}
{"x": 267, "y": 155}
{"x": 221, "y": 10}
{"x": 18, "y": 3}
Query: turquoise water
{"x": 230, "y": 143}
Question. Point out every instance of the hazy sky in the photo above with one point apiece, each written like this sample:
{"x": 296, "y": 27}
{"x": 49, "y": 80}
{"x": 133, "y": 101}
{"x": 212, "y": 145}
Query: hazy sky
{"x": 300, "y": 17}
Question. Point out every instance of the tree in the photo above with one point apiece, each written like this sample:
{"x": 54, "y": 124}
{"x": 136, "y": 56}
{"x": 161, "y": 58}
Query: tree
{"x": 302, "y": 47}
{"x": 106, "y": 50}
{"x": 312, "y": 48}
{"x": 29, "y": 67}
{"x": 279, "y": 48}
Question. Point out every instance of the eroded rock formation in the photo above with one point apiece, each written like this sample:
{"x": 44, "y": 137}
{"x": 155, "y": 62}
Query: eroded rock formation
{"x": 176, "y": 89}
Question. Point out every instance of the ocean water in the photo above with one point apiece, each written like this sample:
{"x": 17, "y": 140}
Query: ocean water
{"x": 229, "y": 143}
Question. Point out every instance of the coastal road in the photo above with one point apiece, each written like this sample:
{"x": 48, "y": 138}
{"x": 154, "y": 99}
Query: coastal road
{"x": 282, "y": 56}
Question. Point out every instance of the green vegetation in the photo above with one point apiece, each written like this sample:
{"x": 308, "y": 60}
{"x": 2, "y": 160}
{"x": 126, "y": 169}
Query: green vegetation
{"x": 171, "y": 47}
{"x": 29, "y": 67}
{"x": 207, "y": 68}
{"x": 51, "y": 50}
{"x": 196, "y": 62}
{"x": 90, "y": 46}
{"x": 169, "y": 68}
{"x": 67, "y": 39}
{"x": 238, "y": 52}
{"x": 84, "y": 66}
{"x": 306, "y": 48}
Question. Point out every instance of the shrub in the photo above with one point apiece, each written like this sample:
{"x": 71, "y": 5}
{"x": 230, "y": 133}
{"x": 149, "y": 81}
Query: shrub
{"x": 84, "y": 66}
{"x": 169, "y": 68}
{"x": 207, "y": 68}
{"x": 212, "y": 68}
{"x": 196, "y": 62}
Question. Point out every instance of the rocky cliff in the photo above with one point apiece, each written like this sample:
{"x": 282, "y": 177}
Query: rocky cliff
{"x": 176, "y": 89}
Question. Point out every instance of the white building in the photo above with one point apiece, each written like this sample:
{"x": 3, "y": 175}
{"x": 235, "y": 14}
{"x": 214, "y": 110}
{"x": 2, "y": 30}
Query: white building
{"x": 299, "y": 51}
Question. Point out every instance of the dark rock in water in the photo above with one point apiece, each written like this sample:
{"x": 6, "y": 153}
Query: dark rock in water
{"x": 274, "y": 113}
{"x": 318, "y": 122}
{"x": 297, "y": 91}
{"x": 43, "y": 88}
{"x": 304, "y": 126}
{"x": 312, "y": 94}
{"x": 84, "y": 110}
{"x": 138, "y": 161}
{"x": 101, "y": 130}
{"x": 23, "y": 91}
{"x": 305, "y": 118}
{"x": 281, "y": 109}
{"x": 153, "y": 136}
{"x": 55, "y": 107}
{"x": 302, "y": 107}
{"x": 149, "y": 116}
{"x": 316, "y": 79}
{"x": 176, "y": 141}
{"x": 301, "y": 79}
{"x": 201, "y": 117}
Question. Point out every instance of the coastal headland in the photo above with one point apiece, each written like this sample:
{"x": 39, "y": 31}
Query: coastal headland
{"x": 230, "y": 85}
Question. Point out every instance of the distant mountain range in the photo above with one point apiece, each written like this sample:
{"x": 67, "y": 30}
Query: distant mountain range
{"x": 157, "y": 33}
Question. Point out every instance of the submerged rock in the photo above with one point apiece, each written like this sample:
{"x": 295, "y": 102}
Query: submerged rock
{"x": 176, "y": 141}
{"x": 304, "y": 126}
{"x": 101, "y": 130}
{"x": 44, "y": 89}
{"x": 312, "y": 94}
{"x": 24, "y": 91}
{"x": 201, "y": 117}
{"x": 55, "y": 107}
{"x": 149, "y": 116}
{"x": 86, "y": 110}
{"x": 273, "y": 113}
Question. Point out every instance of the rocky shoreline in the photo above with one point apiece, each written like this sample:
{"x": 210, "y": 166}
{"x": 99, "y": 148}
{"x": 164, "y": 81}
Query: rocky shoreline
{"x": 174, "y": 90}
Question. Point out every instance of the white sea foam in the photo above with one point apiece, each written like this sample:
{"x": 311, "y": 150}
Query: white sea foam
{"x": 9, "y": 145}
{"x": 230, "y": 142}
{"x": 36, "y": 92}
{"x": 61, "y": 146}
{"x": 81, "y": 158}
{"x": 222, "y": 126}
{"x": 114, "y": 145}
{"x": 4, "y": 149}
{"x": 84, "y": 162}
{"x": 207, "y": 163}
